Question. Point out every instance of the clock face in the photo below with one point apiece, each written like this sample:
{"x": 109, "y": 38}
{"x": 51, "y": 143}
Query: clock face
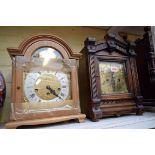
{"x": 112, "y": 78}
{"x": 47, "y": 86}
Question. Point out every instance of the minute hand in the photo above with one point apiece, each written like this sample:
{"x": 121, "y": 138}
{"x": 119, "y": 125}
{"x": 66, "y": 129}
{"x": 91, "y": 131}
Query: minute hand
{"x": 52, "y": 91}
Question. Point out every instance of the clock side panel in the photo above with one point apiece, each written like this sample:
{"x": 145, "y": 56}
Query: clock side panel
{"x": 17, "y": 93}
{"x": 75, "y": 88}
{"x": 84, "y": 83}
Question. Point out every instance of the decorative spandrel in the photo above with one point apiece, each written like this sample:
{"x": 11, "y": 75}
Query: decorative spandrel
{"x": 112, "y": 78}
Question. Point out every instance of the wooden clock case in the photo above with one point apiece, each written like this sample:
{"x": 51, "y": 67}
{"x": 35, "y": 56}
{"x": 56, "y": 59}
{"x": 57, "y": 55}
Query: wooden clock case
{"x": 145, "y": 50}
{"x": 95, "y": 104}
{"x": 26, "y": 49}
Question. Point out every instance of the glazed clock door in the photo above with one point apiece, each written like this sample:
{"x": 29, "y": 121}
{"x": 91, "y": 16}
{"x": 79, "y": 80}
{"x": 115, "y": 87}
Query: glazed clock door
{"x": 46, "y": 84}
{"x": 50, "y": 86}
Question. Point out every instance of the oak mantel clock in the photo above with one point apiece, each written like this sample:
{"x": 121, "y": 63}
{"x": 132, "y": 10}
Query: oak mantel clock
{"x": 109, "y": 78}
{"x": 44, "y": 82}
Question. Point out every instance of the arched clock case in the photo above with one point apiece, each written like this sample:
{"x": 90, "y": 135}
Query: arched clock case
{"x": 44, "y": 82}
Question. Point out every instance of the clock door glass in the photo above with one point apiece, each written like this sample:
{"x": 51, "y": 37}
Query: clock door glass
{"x": 50, "y": 88}
{"x": 112, "y": 78}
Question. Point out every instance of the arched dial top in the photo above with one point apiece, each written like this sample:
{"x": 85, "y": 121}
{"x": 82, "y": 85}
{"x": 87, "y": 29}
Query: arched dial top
{"x": 47, "y": 53}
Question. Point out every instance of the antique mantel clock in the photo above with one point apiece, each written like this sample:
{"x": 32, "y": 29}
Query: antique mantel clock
{"x": 109, "y": 78}
{"x": 44, "y": 82}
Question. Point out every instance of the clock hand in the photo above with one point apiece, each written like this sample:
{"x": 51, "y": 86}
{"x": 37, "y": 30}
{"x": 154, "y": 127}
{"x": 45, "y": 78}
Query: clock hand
{"x": 52, "y": 91}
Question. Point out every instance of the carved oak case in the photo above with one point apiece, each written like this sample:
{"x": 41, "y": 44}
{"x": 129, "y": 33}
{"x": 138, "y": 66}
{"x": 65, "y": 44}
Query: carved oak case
{"x": 108, "y": 78}
{"x": 44, "y": 82}
{"x": 145, "y": 50}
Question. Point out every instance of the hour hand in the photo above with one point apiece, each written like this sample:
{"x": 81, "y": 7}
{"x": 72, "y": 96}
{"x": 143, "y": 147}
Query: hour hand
{"x": 52, "y": 91}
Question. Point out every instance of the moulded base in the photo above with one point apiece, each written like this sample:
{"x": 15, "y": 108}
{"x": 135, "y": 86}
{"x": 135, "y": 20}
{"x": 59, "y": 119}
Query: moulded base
{"x": 14, "y": 124}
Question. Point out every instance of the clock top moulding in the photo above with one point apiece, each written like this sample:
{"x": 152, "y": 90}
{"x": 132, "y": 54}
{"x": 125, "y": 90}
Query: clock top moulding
{"x": 45, "y": 40}
{"x": 26, "y": 48}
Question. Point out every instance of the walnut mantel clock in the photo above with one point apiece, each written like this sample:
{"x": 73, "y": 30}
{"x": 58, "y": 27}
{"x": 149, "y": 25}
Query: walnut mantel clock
{"x": 109, "y": 78}
{"x": 44, "y": 82}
